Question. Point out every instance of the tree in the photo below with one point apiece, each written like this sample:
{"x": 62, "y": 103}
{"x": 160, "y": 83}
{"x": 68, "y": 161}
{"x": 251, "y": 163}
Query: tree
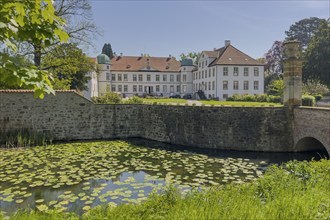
{"x": 107, "y": 50}
{"x": 317, "y": 56}
{"x": 69, "y": 66}
{"x": 274, "y": 58}
{"x": 27, "y": 21}
{"x": 276, "y": 87}
{"x": 79, "y": 27}
{"x": 304, "y": 30}
{"x": 192, "y": 55}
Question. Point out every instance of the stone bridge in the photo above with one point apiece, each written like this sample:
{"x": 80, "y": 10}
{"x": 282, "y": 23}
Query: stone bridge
{"x": 311, "y": 129}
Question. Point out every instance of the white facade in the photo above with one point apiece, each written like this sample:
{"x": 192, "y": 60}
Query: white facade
{"x": 219, "y": 74}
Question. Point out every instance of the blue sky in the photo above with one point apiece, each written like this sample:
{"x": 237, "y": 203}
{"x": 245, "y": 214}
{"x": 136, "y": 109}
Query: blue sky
{"x": 160, "y": 28}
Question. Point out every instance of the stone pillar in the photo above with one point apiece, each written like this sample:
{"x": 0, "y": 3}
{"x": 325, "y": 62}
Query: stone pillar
{"x": 292, "y": 66}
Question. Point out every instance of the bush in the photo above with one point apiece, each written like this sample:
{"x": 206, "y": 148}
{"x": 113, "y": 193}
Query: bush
{"x": 308, "y": 100}
{"x": 318, "y": 97}
{"x": 108, "y": 98}
{"x": 134, "y": 100}
{"x": 255, "y": 98}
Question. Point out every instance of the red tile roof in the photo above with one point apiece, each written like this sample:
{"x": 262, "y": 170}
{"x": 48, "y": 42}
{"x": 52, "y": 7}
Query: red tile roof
{"x": 231, "y": 56}
{"x": 132, "y": 63}
{"x": 27, "y": 91}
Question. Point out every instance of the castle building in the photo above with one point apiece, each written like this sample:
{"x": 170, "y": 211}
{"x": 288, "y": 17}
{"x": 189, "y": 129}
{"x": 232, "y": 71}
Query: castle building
{"x": 219, "y": 73}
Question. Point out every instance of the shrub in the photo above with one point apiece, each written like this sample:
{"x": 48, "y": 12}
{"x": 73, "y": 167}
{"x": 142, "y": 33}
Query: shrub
{"x": 318, "y": 97}
{"x": 261, "y": 98}
{"x": 276, "y": 87}
{"x": 248, "y": 98}
{"x": 134, "y": 100}
{"x": 308, "y": 100}
{"x": 108, "y": 98}
{"x": 275, "y": 99}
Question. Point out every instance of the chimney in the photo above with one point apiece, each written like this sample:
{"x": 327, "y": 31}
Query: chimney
{"x": 214, "y": 49}
{"x": 227, "y": 43}
{"x": 141, "y": 54}
{"x": 121, "y": 54}
{"x": 170, "y": 56}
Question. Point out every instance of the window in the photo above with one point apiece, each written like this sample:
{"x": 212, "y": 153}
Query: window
{"x": 178, "y": 88}
{"x": 235, "y": 71}
{"x": 108, "y": 67}
{"x": 120, "y": 88}
{"x": 199, "y": 65}
{"x": 108, "y": 88}
{"x": 164, "y": 77}
{"x": 134, "y": 78}
{"x": 113, "y": 77}
{"x": 235, "y": 87}
{"x": 140, "y": 88}
{"x": 225, "y": 96}
{"x": 256, "y": 71}
{"x": 164, "y": 88}
{"x": 184, "y": 88}
{"x": 108, "y": 76}
{"x": 125, "y": 77}
{"x": 125, "y": 88}
{"x": 204, "y": 85}
{"x": 171, "y": 78}
{"x": 225, "y": 71}
{"x": 213, "y": 85}
{"x": 171, "y": 89}
{"x": 246, "y": 71}
{"x": 178, "y": 78}
{"x": 209, "y": 72}
{"x": 225, "y": 85}
{"x": 134, "y": 88}
{"x": 157, "y": 78}
{"x": 203, "y": 64}
{"x": 209, "y": 85}
{"x": 199, "y": 74}
{"x": 119, "y": 77}
{"x": 256, "y": 85}
{"x": 113, "y": 88}
{"x": 213, "y": 72}
{"x": 246, "y": 85}
{"x": 157, "y": 88}
{"x": 140, "y": 78}
{"x": 184, "y": 78}
{"x": 202, "y": 74}
{"x": 148, "y": 78}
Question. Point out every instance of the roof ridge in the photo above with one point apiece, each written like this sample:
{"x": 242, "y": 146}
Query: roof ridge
{"x": 30, "y": 90}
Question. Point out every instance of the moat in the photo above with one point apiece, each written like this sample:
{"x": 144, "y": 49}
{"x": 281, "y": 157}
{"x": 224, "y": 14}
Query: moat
{"x": 78, "y": 176}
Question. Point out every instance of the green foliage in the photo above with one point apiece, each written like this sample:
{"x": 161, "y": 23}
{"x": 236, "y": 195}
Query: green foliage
{"x": 314, "y": 87}
{"x": 32, "y": 21}
{"x": 107, "y": 50}
{"x": 23, "y": 138}
{"x": 193, "y": 55}
{"x": 304, "y": 30}
{"x": 276, "y": 87}
{"x": 308, "y": 100}
{"x": 108, "y": 98}
{"x": 255, "y": 98}
{"x": 317, "y": 65}
{"x": 69, "y": 66}
{"x": 134, "y": 100}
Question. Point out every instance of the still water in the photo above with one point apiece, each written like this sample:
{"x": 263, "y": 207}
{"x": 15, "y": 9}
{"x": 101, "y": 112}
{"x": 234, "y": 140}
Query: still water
{"x": 78, "y": 176}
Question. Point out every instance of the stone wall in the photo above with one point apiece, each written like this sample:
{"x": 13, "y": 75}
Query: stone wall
{"x": 68, "y": 116}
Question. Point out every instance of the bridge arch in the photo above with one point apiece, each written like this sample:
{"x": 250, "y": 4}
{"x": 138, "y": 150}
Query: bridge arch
{"x": 311, "y": 144}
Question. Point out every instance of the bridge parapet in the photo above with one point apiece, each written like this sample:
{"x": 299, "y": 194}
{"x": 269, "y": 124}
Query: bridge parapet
{"x": 310, "y": 126}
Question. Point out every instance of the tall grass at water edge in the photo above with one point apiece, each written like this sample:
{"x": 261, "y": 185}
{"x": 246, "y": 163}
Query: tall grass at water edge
{"x": 296, "y": 190}
{"x": 23, "y": 138}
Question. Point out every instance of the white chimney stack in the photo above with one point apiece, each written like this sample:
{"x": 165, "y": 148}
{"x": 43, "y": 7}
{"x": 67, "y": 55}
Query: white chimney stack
{"x": 227, "y": 43}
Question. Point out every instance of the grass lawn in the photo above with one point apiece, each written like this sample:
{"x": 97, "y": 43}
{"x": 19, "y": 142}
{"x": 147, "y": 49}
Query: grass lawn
{"x": 165, "y": 100}
{"x": 237, "y": 103}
